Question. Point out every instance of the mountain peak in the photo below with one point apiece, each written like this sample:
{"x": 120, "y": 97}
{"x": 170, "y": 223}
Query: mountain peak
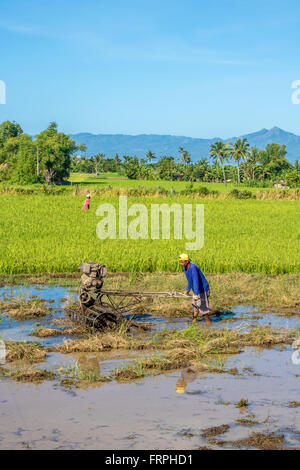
{"x": 281, "y": 133}
{"x": 138, "y": 145}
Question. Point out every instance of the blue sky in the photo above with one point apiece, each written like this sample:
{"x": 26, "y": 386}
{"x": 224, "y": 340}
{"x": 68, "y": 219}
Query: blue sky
{"x": 192, "y": 67}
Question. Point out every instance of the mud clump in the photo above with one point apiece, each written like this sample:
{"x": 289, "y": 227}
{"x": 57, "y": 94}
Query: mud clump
{"x": 25, "y": 313}
{"x": 127, "y": 374}
{"x": 96, "y": 343}
{"x": 248, "y": 421}
{"x": 77, "y": 377}
{"x": 216, "y": 442}
{"x": 294, "y": 404}
{"x": 46, "y": 332}
{"x": 215, "y": 431}
{"x": 22, "y": 308}
{"x": 262, "y": 441}
{"x": 21, "y": 350}
{"x": 28, "y": 375}
{"x": 243, "y": 403}
{"x": 33, "y": 376}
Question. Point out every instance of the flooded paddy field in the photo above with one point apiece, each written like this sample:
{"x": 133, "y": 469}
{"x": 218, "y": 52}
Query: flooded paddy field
{"x": 245, "y": 399}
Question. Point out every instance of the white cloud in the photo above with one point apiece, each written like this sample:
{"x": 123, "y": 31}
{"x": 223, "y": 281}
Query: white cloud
{"x": 142, "y": 47}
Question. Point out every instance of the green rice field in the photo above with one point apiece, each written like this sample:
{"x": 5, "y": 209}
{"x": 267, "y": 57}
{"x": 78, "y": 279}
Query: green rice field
{"x": 120, "y": 181}
{"x": 41, "y": 234}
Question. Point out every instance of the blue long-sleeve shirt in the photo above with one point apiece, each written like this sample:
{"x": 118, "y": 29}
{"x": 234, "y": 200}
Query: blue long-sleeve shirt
{"x": 196, "y": 280}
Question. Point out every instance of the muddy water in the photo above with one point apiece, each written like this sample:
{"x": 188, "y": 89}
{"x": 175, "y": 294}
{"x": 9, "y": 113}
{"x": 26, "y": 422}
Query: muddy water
{"x": 163, "y": 412}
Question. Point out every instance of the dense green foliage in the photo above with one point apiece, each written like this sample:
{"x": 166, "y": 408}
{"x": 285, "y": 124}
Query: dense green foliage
{"x": 252, "y": 166}
{"x": 52, "y": 155}
{"x": 45, "y": 159}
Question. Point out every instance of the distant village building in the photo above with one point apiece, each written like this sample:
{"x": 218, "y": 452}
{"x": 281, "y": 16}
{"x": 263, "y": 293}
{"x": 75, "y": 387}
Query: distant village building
{"x": 281, "y": 184}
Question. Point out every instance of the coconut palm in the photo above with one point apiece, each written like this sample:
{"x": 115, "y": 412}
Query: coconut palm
{"x": 239, "y": 151}
{"x": 184, "y": 156}
{"x": 150, "y": 156}
{"x": 250, "y": 167}
{"x": 220, "y": 153}
{"x": 99, "y": 160}
{"x": 203, "y": 163}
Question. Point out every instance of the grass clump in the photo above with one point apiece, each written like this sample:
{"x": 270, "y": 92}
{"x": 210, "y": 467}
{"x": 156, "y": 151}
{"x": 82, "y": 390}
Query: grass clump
{"x": 247, "y": 421}
{"x": 28, "y": 375}
{"x": 243, "y": 403}
{"x": 128, "y": 372}
{"x": 22, "y": 350}
{"x": 45, "y": 332}
{"x": 112, "y": 339}
{"x": 199, "y": 342}
{"x": 52, "y": 332}
{"x": 262, "y": 336}
{"x": 262, "y": 441}
{"x": 215, "y": 431}
{"x": 155, "y": 364}
{"x": 151, "y": 365}
{"x": 79, "y": 378}
{"x": 96, "y": 343}
{"x": 24, "y": 307}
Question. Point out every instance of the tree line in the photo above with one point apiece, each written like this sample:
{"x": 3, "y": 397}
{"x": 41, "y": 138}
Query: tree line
{"x": 249, "y": 165}
{"x": 50, "y": 156}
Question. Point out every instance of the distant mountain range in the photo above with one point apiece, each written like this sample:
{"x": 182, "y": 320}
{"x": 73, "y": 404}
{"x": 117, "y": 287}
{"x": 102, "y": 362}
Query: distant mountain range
{"x": 138, "y": 145}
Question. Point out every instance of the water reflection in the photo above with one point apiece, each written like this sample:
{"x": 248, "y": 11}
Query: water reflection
{"x": 187, "y": 376}
{"x": 88, "y": 364}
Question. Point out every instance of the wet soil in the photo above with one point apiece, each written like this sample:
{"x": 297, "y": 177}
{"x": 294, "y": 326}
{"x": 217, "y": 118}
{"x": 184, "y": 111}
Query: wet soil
{"x": 178, "y": 410}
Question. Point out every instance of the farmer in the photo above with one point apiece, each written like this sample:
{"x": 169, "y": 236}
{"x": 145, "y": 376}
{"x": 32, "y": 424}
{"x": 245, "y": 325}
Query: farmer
{"x": 86, "y": 204}
{"x": 199, "y": 286}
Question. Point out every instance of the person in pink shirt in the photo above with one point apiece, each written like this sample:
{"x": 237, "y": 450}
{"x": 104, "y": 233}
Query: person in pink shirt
{"x": 86, "y": 204}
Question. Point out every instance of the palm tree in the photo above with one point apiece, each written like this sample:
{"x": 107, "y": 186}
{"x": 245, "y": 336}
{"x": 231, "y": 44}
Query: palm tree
{"x": 220, "y": 152}
{"x": 239, "y": 151}
{"x": 203, "y": 162}
{"x": 150, "y": 156}
{"x": 99, "y": 160}
{"x": 184, "y": 156}
{"x": 117, "y": 161}
{"x": 250, "y": 167}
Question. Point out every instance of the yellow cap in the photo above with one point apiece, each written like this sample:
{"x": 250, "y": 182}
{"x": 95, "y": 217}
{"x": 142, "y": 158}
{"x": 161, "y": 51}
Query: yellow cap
{"x": 180, "y": 385}
{"x": 184, "y": 257}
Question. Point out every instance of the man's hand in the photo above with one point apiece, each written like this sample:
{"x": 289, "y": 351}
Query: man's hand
{"x": 187, "y": 293}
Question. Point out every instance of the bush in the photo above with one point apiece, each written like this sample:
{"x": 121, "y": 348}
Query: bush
{"x": 202, "y": 191}
{"x": 235, "y": 193}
